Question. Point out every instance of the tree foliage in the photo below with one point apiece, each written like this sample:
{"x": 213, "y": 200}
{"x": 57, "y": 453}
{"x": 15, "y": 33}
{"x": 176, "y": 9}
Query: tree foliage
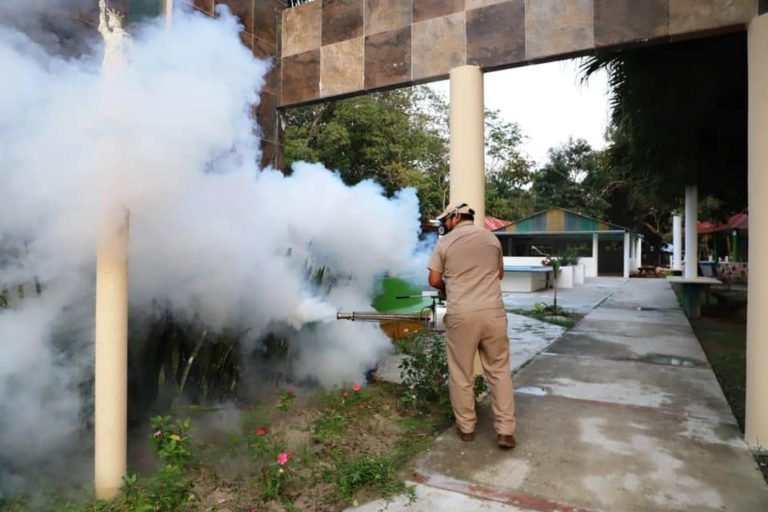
{"x": 575, "y": 178}
{"x": 390, "y": 137}
{"x": 679, "y": 118}
{"x": 400, "y": 139}
{"x": 508, "y": 171}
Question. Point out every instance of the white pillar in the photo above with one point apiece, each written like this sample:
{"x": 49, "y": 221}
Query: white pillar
{"x": 467, "y": 125}
{"x": 677, "y": 243}
{"x": 111, "y": 322}
{"x": 691, "y": 232}
{"x": 639, "y": 253}
{"x": 468, "y": 139}
{"x": 756, "y": 421}
{"x": 111, "y": 361}
{"x": 595, "y": 252}
{"x": 168, "y": 11}
{"x": 626, "y": 254}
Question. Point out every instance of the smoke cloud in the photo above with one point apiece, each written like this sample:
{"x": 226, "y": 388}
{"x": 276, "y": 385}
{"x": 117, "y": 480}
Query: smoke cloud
{"x": 170, "y": 142}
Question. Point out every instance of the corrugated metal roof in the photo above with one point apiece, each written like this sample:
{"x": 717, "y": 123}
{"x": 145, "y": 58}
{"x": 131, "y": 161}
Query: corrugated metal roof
{"x": 493, "y": 224}
{"x": 559, "y": 220}
{"x": 738, "y": 221}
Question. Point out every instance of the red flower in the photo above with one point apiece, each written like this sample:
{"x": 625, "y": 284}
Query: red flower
{"x": 345, "y": 393}
{"x": 283, "y": 458}
{"x": 356, "y": 387}
{"x": 261, "y": 431}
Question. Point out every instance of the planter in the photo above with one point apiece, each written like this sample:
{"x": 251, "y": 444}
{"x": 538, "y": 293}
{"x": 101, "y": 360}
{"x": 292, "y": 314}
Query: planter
{"x": 565, "y": 279}
{"x": 579, "y": 272}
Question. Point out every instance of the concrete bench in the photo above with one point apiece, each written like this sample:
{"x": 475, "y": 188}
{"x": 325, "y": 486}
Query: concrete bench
{"x": 692, "y": 290}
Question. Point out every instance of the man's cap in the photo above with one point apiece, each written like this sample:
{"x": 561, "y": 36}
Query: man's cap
{"x": 457, "y": 207}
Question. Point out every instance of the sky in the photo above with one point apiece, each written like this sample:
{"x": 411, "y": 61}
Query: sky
{"x": 549, "y": 103}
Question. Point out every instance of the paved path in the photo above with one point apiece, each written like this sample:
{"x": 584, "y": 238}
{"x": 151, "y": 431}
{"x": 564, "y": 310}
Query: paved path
{"x": 621, "y": 413}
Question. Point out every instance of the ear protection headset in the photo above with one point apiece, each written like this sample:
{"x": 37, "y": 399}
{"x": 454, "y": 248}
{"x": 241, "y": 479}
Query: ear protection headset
{"x": 455, "y": 214}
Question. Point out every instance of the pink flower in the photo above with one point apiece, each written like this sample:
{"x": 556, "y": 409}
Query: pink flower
{"x": 261, "y": 431}
{"x": 345, "y": 393}
{"x": 221, "y": 501}
{"x": 356, "y": 387}
{"x": 282, "y": 458}
{"x": 157, "y": 433}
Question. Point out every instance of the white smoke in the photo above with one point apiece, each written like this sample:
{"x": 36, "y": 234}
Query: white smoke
{"x": 171, "y": 141}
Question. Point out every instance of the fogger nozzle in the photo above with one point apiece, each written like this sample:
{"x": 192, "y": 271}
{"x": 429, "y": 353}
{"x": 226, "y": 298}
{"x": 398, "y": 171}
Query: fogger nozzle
{"x": 429, "y": 317}
{"x": 372, "y": 316}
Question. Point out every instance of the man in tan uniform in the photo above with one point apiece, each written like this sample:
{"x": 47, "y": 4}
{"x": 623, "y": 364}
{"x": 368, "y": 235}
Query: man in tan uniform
{"x": 466, "y": 267}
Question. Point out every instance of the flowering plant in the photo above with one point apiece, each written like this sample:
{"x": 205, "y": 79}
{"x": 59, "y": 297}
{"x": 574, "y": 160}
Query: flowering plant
{"x": 275, "y": 475}
{"x": 271, "y": 459}
{"x": 170, "y": 440}
{"x": 551, "y": 261}
{"x": 358, "y": 396}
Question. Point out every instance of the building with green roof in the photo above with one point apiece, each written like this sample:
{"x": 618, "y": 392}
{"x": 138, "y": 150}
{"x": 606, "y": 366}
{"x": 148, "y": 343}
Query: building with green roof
{"x": 603, "y": 248}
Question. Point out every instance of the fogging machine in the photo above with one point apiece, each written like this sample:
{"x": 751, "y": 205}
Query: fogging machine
{"x": 431, "y": 316}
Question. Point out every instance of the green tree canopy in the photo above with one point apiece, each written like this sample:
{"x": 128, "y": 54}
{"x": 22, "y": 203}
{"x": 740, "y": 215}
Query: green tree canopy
{"x": 400, "y": 139}
{"x": 575, "y": 178}
{"x": 508, "y": 171}
{"x": 390, "y": 137}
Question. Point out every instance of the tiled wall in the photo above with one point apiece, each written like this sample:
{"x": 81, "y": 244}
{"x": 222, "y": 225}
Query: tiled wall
{"x": 261, "y": 22}
{"x": 338, "y": 47}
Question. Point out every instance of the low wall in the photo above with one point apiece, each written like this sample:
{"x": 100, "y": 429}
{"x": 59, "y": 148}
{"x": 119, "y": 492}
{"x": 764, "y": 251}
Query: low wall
{"x": 590, "y": 266}
{"x": 523, "y": 260}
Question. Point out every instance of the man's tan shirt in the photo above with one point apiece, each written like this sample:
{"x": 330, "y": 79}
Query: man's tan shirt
{"x": 469, "y": 258}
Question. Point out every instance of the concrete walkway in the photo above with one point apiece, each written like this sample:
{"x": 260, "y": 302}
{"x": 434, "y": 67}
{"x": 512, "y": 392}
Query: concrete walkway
{"x": 621, "y": 413}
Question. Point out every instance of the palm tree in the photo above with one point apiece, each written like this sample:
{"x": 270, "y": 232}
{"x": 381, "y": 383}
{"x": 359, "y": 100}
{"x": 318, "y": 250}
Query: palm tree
{"x": 679, "y": 117}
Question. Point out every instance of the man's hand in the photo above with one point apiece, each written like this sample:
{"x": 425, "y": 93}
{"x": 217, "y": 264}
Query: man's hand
{"x": 435, "y": 280}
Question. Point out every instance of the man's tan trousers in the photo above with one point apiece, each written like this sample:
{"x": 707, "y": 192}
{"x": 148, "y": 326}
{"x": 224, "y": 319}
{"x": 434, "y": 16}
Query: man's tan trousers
{"x": 484, "y": 331}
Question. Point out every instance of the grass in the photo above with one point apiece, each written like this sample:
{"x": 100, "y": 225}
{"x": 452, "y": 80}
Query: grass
{"x": 562, "y": 318}
{"x": 723, "y": 336}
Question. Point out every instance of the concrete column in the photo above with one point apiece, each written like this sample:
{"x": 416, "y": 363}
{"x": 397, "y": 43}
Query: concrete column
{"x": 626, "y": 254}
{"x": 111, "y": 361}
{"x": 467, "y": 125}
{"x": 639, "y": 253}
{"x": 677, "y": 243}
{"x": 168, "y": 12}
{"x": 691, "y": 232}
{"x": 595, "y": 252}
{"x": 756, "y": 422}
{"x": 468, "y": 139}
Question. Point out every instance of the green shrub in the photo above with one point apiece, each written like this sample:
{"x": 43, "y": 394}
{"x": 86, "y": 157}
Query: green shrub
{"x": 171, "y": 440}
{"x": 425, "y": 373}
{"x": 169, "y": 490}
